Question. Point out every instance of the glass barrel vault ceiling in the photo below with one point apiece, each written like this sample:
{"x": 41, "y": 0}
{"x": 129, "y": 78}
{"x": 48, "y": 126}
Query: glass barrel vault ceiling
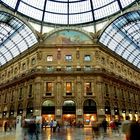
{"x": 123, "y": 37}
{"x": 67, "y": 12}
{"x": 15, "y": 37}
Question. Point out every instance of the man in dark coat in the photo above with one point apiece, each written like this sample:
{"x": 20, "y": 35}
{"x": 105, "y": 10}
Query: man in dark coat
{"x": 134, "y": 130}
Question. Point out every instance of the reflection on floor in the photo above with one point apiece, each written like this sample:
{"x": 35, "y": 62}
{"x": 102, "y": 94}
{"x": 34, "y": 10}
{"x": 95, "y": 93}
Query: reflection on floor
{"x": 64, "y": 134}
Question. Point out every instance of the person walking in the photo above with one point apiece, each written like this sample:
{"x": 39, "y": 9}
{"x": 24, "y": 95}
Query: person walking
{"x": 54, "y": 125}
{"x": 126, "y": 128}
{"x": 51, "y": 125}
{"x": 95, "y": 129}
{"x": 58, "y": 126}
{"x": 134, "y": 130}
{"x": 104, "y": 125}
{"x": 5, "y": 126}
{"x": 32, "y": 130}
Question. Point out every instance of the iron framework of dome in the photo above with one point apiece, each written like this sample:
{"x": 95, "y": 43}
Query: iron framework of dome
{"x": 68, "y": 12}
{"x": 15, "y": 37}
{"x": 123, "y": 37}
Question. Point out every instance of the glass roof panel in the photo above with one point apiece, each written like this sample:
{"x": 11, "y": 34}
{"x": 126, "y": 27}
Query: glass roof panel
{"x": 123, "y": 37}
{"x": 11, "y": 3}
{"x": 51, "y": 11}
{"x": 30, "y": 11}
{"x": 79, "y": 7}
{"x": 60, "y": 19}
{"x": 80, "y": 18}
{"x": 56, "y": 7}
{"x": 107, "y": 10}
{"x": 35, "y": 3}
{"x": 15, "y": 37}
{"x": 126, "y": 2}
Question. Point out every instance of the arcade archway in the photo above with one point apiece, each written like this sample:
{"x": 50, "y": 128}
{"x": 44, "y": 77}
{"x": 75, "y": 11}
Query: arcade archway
{"x": 69, "y": 112}
{"x": 107, "y": 110}
{"x": 30, "y": 109}
{"x": 11, "y": 112}
{"x": 90, "y": 111}
{"x": 20, "y": 109}
{"x": 48, "y": 112}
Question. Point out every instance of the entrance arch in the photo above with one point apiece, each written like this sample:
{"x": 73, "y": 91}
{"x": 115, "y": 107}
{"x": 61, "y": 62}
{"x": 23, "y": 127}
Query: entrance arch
{"x": 29, "y": 109}
{"x": 69, "y": 112}
{"x": 11, "y": 112}
{"x": 107, "y": 110}
{"x": 4, "y": 111}
{"x": 48, "y": 112}
{"x": 90, "y": 111}
{"x": 20, "y": 109}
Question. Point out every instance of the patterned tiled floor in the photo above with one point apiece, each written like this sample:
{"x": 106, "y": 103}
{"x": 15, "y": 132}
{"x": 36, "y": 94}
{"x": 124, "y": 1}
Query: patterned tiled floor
{"x": 69, "y": 134}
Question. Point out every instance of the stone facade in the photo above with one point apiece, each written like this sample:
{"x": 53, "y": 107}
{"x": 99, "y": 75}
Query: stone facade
{"x": 114, "y": 84}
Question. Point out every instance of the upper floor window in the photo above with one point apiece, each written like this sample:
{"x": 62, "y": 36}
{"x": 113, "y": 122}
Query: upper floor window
{"x": 68, "y": 68}
{"x": 12, "y": 95}
{"x": 49, "y": 68}
{"x": 49, "y": 58}
{"x": 5, "y": 99}
{"x": 103, "y": 60}
{"x": 49, "y": 87}
{"x": 8, "y": 73}
{"x": 87, "y": 58}
{"x": 106, "y": 88}
{"x": 0, "y": 99}
{"x": 87, "y": 68}
{"x": 88, "y": 87}
{"x": 23, "y": 66}
{"x": 68, "y": 57}
{"x": 68, "y": 87}
{"x": 15, "y": 70}
{"x": 30, "y": 90}
{"x": 33, "y": 61}
{"x": 20, "y": 92}
{"x": 112, "y": 65}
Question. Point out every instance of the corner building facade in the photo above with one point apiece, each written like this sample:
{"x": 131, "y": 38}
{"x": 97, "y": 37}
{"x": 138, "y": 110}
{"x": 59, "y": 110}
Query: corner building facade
{"x": 69, "y": 78}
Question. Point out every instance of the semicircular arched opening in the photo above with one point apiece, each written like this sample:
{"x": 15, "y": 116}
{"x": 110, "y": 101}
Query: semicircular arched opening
{"x": 29, "y": 110}
{"x": 69, "y": 107}
{"x": 20, "y": 109}
{"x": 107, "y": 110}
{"x": 48, "y": 112}
{"x": 90, "y": 111}
{"x": 116, "y": 110}
{"x": 12, "y": 110}
{"x": 48, "y": 107}
{"x": 107, "y": 107}
{"x": 4, "y": 112}
{"x": 69, "y": 112}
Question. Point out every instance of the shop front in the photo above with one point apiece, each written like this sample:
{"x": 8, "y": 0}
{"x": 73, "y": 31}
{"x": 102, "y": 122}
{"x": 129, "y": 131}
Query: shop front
{"x": 69, "y": 113}
{"x": 116, "y": 113}
{"x": 108, "y": 113}
{"x": 136, "y": 115}
{"x": 130, "y": 114}
{"x": 90, "y": 112}
{"x": 124, "y": 113}
{"x": 48, "y": 112}
{"x": 11, "y": 112}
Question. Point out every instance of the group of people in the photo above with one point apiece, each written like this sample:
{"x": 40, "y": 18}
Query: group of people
{"x": 54, "y": 125}
{"x": 30, "y": 129}
{"x": 129, "y": 128}
{"x": 9, "y": 125}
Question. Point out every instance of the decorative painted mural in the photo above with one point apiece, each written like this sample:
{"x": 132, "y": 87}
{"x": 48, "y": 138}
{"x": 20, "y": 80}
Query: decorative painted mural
{"x": 68, "y": 37}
